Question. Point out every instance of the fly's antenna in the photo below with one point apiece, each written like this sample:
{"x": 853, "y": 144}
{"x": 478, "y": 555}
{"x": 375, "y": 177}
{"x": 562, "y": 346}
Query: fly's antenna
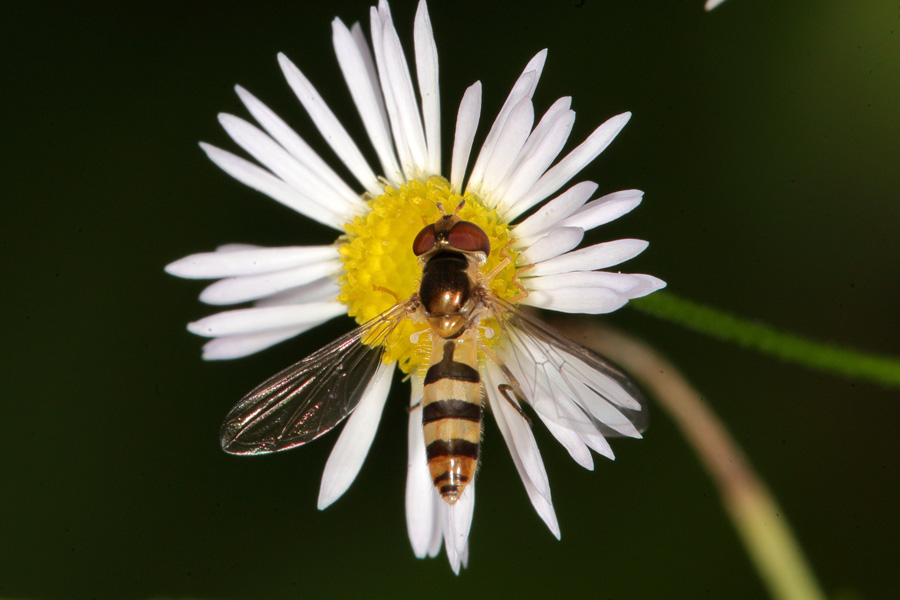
{"x": 458, "y": 208}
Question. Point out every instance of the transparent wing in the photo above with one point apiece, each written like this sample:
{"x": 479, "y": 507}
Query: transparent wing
{"x": 564, "y": 381}
{"x": 312, "y": 396}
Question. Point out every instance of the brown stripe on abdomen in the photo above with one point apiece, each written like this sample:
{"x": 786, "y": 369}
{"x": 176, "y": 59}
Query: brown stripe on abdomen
{"x": 451, "y": 409}
{"x": 443, "y": 448}
{"x": 447, "y": 368}
{"x": 451, "y": 414}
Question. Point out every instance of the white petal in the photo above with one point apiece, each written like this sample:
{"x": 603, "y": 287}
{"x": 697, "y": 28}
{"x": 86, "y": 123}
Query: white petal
{"x": 238, "y": 346}
{"x": 427, "y": 75}
{"x": 547, "y": 378}
{"x": 553, "y": 382}
{"x": 256, "y": 320}
{"x": 553, "y": 212}
{"x": 452, "y": 555}
{"x": 330, "y": 128}
{"x": 263, "y": 181}
{"x": 571, "y": 441}
{"x": 589, "y": 301}
{"x": 395, "y": 175}
{"x": 293, "y": 143}
{"x": 421, "y": 513}
{"x": 364, "y": 88}
{"x": 509, "y": 144}
{"x": 353, "y": 445}
{"x": 518, "y": 93}
{"x": 438, "y": 533}
{"x": 366, "y": 52}
{"x": 598, "y": 256}
{"x": 576, "y": 160}
{"x": 287, "y": 168}
{"x": 236, "y": 247}
{"x": 553, "y": 244}
{"x": 229, "y": 263}
{"x": 407, "y": 107}
{"x": 598, "y": 444}
{"x": 457, "y": 522}
{"x": 515, "y": 432}
{"x": 601, "y": 408}
{"x": 401, "y": 145}
{"x": 558, "y": 110}
{"x": 648, "y": 284}
{"x": 553, "y": 399}
{"x": 617, "y": 282}
{"x": 466, "y": 124}
{"x": 560, "y": 377}
{"x": 536, "y": 66}
{"x": 533, "y": 167}
{"x": 521, "y": 444}
{"x": 320, "y": 290}
{"x": 605, "y": 209}
{"x": 464, "y": 556}
{"x": 567, "y": 421}
{"x": 253, "y": 287}
{"x": 523, "y": 88}
{"x": 609, "y": 388}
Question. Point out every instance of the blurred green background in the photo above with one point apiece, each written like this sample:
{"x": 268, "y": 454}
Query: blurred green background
{"x": 765, "y": 135}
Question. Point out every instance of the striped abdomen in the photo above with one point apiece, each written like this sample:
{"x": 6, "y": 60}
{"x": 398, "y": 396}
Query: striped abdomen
{"x": 451, "y": 414}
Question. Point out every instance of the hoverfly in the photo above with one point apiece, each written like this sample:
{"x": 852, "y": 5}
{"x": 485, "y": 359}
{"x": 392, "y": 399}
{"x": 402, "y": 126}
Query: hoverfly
{"x": 564, "y": 382}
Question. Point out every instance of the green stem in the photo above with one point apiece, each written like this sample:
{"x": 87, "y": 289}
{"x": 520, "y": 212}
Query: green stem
{"x": 760, "y": 522}
{"x": 768, "y": 340}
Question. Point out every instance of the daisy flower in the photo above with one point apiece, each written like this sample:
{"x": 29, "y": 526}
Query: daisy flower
{"x": 515, "y": 187}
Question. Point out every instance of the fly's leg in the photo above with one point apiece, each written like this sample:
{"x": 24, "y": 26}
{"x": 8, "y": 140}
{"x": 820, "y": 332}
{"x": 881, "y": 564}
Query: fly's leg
{"x": 511, "y": 390}
{"x": 378, "y": 288}
{"x": 514, "y": 397}
{"x": 505, "y": 262}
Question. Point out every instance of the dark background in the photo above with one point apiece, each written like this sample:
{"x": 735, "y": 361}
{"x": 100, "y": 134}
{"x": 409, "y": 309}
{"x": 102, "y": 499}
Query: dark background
{"x": 765, "y": 135}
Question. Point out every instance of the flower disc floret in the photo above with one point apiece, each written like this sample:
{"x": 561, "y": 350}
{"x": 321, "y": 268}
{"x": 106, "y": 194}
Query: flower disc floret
{"x": 380, "y": 268}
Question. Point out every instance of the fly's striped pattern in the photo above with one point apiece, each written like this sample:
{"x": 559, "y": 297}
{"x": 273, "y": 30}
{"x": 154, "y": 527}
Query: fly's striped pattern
{"x": 451, "y": 414}
{"x": 451, "y": 252}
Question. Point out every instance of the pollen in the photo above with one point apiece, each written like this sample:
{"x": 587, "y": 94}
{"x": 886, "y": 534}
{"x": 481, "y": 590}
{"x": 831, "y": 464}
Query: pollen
{"x": 380, "y": 269}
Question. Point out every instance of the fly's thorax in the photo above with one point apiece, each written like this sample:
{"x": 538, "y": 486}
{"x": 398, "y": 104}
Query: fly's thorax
{"x": 385, "y": 248}
{"x": 445, "y": 288}
{"x": 451, "y": 413}
{"x": 447, "y": 291}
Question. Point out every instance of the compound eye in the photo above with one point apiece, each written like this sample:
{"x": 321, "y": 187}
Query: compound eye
{"x": 469, "y": 237}
{"x": 424, "y": 241}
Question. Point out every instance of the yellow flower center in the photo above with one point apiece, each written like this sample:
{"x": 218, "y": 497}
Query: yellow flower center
{"x": 380, "y": 268}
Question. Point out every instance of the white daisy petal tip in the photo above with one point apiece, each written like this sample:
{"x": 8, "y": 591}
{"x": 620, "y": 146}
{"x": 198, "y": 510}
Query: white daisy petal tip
{"x": 422, "y": 512}
{"x": 176, "y": 268}
{"x": 648, "y": 284}
{"x": 604, "y": 210}
{"x": 353, "y": 445}
{"x": 456, "y": 522}
{"x": 239, "y": 346}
